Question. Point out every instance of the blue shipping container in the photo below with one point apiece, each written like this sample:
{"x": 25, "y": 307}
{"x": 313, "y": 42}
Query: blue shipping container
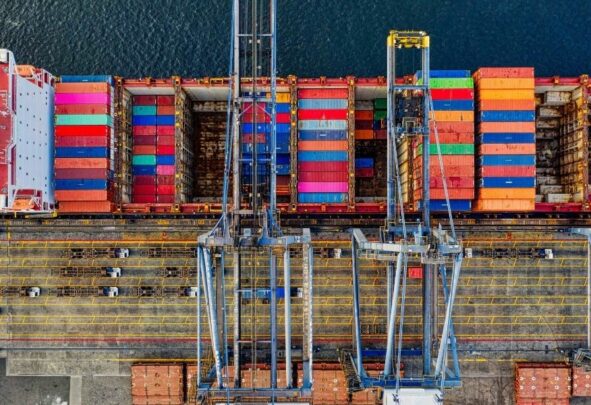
{"x": 165, "y": 159}
{"x": 280, "y": 108}
{"x": 323, "y": 104}
{"x": 141, "y": 120}
{"x": 507, "y": 116}
{"x": 508, "y": 182}
{"x": 316, "y": 198}
{"x": 164, "y": 120}
{"x": 508, "y": 160}
{"x": 283, "y": 169}
{"x": 502, "y": 138}
{"x": 324, "y": 156}
{"x": 82, "y": 152}
{"x": 261, "y": 148}
{"x": 81, "y": 184}
{"x": 141, "y": 170}
{"x": 453, "y": 105}
{"x": 322, "y": 135}
{"x": 87, "y": 79}
{"x": 316, "y": 125}
{"x": 363, "y": 163}
{"x": 282, "y": 159}
{"x": 441, "y": 205}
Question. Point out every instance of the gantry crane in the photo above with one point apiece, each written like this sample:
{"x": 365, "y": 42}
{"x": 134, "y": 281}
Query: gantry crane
{"x": 437, "y": 249}
{"x": 249, "y": 228}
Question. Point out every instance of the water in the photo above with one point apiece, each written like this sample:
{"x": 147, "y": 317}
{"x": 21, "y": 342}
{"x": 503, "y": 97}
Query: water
{"x": 136, "y": 38}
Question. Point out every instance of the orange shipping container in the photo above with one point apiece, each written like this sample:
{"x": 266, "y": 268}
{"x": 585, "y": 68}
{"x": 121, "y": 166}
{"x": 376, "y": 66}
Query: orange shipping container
{"x": 521, "y": 127}
{"x": 453, "y": 116}
{"x": 507, "y": 193}
{"x": 505, "y": 205}
{"x": 165, "y": 110}
{"x": 82, "y": 195}
{"x": 82, "y": 88}
{"x": 322, "y": 145}
{"x": 364, "y": 134}
{"x": 165, "y": 381}
{"x": 504, "y": 72}
{"x": 86, "y": 206}
{"x": 506, "y": 83}
{"x": 508, "y": 149}
{"x": 581, "y": 382}
{"x": 504, "y": 94}
{"x": 507, "y": 105}
{"x": 86, "y": 163}
{"x": 144, "y": 150}
{"x": 454, "y": 194}
{"x": 364, "y": 115}
{"x": 453, "y": 127}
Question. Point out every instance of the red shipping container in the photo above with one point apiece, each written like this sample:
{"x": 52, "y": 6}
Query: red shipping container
{"x": 452, "y": 182}
{"x": 81, "y": 173}
{"x": 82, "y": 195}
{"x": 364, "y": 115}
{"x": 365, "y": 172}
{"x": 165, "y": 189}
{"x": 323, "y": 93}
{"x": 144, "y": 189}
{"x": 415, "y": 272}
{"x": 381, "y": 134}
{"x": 165, "y": 100}
{"x": 465, "y": 127}
{"x": 501, "y": 72}
{"x": 165, "y": 130}
{"x": 144, "y": 180}
{"x": 452, "y": 94}
{"x": 164, "y": 180}
{"x": 82, "y": 109}
{"x": 165, "y": 198}
{"x": 283, "y": 118}
{"x": 145, "y": 140}
{"x": 260, "y": 117}
{"x": 452, "y": 170}
{"x": 143, "y": 199}
{"x": 247, "y": 138}
{"x": 165, "y": 140}
{"x": 82, "y": 130}
{"x": 323, "y": 176}
{"x": 323, "y": 167}
{"x": 165, "y": 110}
{"x": 81, "y": 141}
{"x": 322, "y": 114}
{"x": 76, "y": 163}
{"x": 363, "y": 125}
{"x": 144, "y": 130}
{"x": 364, "y": 134}
{"x": 165, "y": 150}
{"x": 86, "y": 206}
{"x": 144, "y": 100}
{"x": 144, "y": 149}
{"x": 454, "y": 194}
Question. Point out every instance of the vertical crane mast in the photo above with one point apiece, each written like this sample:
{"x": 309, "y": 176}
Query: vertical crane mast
{"x": 435, "y": 247}
{"x": 249, "y": 228}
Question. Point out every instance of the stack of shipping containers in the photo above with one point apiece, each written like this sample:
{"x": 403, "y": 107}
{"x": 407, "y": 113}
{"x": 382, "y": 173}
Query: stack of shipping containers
{"x": 323, "y": 146}
{"x": 154, "y": 149}
{"x": 84, "y": 144}
{"x": 506, "y": 143}
{"x": 452, "y": 92}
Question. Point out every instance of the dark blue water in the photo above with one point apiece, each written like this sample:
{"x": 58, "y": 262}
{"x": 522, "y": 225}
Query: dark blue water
{"x": 316, "y": 37}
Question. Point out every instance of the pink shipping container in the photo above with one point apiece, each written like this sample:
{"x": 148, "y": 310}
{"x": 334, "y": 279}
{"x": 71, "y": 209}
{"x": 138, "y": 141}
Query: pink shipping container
{"x": 323, "y": 187}
{"x": 167, "y": 170}
{"x": 77, "y": 98}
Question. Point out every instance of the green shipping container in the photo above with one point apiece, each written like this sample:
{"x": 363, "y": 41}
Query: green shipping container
{"x": 144, "y": 110}
{"x": 450, "y": 83}
{"x": 84, "y": 119}
{"x": 379, "y": 115}
{"x": 449, "y": 149}
{"x": 144, "y": 160}
{"x": 380, "y": 104}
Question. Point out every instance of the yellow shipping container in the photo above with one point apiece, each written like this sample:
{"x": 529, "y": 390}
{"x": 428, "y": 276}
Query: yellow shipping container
{"x": 281, "y": 97}
{"x": 505, "y": 205}
{"x": 506, "y": 94}
{"x": 467, "y": 116}
{"x": 507, "y": 193}
{"x": 505, "y": 83}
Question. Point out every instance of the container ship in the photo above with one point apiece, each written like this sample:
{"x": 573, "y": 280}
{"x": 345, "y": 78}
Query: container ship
{"x": 107, "y": 183}
{"x": 510, "y": 143}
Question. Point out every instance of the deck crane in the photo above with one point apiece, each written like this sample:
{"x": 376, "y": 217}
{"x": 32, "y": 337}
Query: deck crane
{"x": 249, "y": 229}
{"x": 427, "y": 373}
